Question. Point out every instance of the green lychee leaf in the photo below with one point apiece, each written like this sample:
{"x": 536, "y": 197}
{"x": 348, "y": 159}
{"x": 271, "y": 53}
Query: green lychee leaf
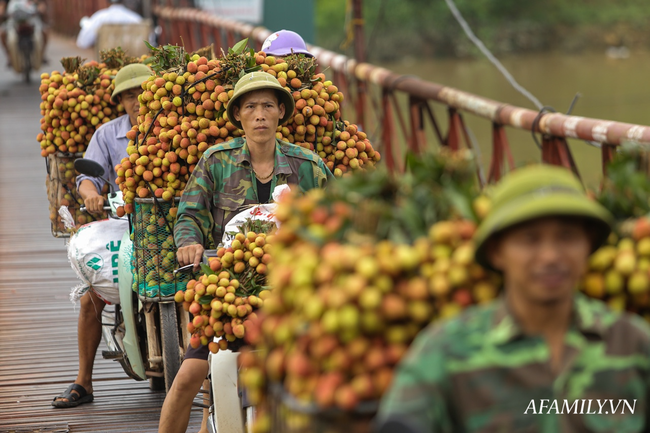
{"x": 206, "y": 269}
{"x": 461, "y": 203}
{"x": 206, "y": 299}
{"x": 239, "y": 46}
{"x": 254, "y": 68}
{"x": 625, "y": 189}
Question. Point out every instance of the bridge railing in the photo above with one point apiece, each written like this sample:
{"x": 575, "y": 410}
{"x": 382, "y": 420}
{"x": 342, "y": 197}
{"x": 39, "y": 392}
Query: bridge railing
{"x": 196, "y": 29}
{"x": 378, "y": 96}
{"x": 65, "y": 15}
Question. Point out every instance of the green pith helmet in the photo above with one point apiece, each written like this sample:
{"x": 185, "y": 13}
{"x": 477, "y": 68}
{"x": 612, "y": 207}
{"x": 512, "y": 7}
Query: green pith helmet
{"x": 129, "y": 77}
{"x": 534, "y": 192}
{"x": 260, "y": 81}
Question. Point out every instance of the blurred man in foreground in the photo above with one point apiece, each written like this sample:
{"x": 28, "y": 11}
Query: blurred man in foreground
{"x": 543, "y": 358}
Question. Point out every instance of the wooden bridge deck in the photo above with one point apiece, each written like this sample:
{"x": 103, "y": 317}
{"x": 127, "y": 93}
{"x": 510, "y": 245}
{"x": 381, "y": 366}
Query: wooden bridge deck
{"x": 38, "y": 345}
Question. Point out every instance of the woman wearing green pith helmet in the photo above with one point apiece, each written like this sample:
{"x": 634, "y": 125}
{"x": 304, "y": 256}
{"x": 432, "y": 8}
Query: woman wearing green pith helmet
{"x": 542, "y": 344}
{"x": 228, "y": 178}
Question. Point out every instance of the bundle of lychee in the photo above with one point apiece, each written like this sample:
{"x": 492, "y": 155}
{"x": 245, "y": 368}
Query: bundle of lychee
{"x": 75, "y": 103}
{"x": 183, "y": 113}
{"x": 619, "y": 272}
{"x": 61, "y": 191}
{"x": 225, "y": 298}
{"x": 351, "y": 292}
{"x": 180, "y": 117}
{"x": 316, "y": 123}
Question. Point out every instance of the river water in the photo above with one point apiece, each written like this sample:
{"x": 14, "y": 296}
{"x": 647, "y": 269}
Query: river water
{"x": 611, "y": 88}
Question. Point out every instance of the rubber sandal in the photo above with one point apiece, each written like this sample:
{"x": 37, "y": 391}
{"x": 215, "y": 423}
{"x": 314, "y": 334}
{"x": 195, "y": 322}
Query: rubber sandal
{"x": 80, "y": 396}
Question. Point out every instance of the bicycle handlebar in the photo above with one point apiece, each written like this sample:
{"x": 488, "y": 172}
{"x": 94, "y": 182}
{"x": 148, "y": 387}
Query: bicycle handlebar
{"x": 83, "y": 208}
{"x": 184, "y": 268}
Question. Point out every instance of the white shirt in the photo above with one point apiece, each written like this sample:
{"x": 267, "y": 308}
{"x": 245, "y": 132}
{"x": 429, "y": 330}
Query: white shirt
{"x": 114, "y": 14}
{"x": 25, "y": 5}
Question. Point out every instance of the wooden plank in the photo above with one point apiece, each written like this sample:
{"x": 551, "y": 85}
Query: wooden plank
{"x": 153, "y": 342}
{"x": 38, "y": 323}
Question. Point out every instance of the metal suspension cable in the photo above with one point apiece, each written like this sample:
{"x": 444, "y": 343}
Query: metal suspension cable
{"x": 470, "y": 34}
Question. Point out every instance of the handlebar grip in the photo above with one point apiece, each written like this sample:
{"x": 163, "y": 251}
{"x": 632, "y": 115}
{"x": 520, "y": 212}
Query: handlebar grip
{"x": 83, "y": 208}
{"x": 185, "y": 268}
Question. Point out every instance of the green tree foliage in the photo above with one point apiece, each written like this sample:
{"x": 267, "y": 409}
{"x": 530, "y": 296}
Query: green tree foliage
{"x": 395, "y": 28}
{"x": 626, "y": 189}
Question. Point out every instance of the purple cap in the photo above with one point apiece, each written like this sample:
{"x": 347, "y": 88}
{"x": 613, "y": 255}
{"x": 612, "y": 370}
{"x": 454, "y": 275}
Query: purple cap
{"x": 285, "y": 42}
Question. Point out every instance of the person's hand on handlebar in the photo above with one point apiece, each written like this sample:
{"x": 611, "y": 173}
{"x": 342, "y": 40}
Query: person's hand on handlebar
{"x": 94, "y": 203}
{"x": 190, "y": 254}
{"x": 93, "y": 200}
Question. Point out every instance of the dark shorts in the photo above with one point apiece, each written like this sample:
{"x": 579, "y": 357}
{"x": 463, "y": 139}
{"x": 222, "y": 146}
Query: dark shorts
{"x": 201, "y": 353}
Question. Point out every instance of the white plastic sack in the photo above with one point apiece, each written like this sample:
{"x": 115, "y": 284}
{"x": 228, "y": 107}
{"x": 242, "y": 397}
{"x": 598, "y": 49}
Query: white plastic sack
{"x": 93, "y": 252}
{"x": 258, "y": 212}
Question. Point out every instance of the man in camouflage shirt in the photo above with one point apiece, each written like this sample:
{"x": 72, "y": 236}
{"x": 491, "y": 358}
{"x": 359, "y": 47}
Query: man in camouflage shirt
{"x": 228, "y": 178}
{"x": 543, "y": 358}
{"x": 222, "y": 185}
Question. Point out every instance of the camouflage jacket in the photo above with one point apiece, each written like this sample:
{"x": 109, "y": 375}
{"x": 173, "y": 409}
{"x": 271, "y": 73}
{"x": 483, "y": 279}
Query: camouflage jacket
{"x": 480, "y": 373}
{"x": 223, "y": 184}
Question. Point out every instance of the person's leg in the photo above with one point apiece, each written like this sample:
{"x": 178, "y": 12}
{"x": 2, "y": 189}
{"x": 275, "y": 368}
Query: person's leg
{"x": 46, "y": 35}
{"x": 206, "y": 412}
{"x": 3, "y": 38}
{"x": 175, "y": 414}
{"x": 89, "y": 334}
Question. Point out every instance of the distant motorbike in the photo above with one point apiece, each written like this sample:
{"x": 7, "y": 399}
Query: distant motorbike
{"x": 24, "y": 37}
{"x": 146, "y": 336}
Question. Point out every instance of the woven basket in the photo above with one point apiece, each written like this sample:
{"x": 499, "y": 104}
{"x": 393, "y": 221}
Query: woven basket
{"x": 62, "y": 191}
{"x": 154, "y": 251}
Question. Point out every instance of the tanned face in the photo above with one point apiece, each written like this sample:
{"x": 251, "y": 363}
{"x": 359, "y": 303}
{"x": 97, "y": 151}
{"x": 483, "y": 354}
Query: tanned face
{"x": 259, "y": 113}
{"x": 129, "y": 100}
{"x": 543, "y": 260}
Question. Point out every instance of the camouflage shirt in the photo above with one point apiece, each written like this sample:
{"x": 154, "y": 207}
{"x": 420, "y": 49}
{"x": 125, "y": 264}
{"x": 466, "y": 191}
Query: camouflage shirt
{"x": 223, "y": 184}
{"x": 479, "y": 372}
